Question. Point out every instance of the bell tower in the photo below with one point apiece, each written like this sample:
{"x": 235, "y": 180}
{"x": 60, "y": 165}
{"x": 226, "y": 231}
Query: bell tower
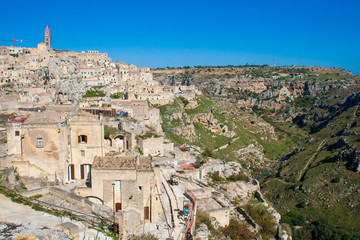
{"x": 47, "y": 37}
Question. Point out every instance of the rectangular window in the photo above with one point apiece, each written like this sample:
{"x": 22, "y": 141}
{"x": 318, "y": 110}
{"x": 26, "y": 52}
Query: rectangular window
{"x": 82, "y": 139}
{"x": 117, "y": 185}
{"x": 17, "y": 133}
{"x": 39, "y": 141}
{"x": 82, "y": 153}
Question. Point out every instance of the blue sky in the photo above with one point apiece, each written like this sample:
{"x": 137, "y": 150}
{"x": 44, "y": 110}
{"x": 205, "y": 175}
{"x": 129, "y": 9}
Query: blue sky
{"x": 188, "y": 33}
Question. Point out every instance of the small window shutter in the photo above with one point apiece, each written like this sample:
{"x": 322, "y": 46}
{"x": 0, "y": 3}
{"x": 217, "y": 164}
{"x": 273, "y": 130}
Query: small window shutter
{"x": 85, "y": 138}
{"x": 82, "y": 171}
{"x": 79, "y": 139}
{"x": 72, "y": 171}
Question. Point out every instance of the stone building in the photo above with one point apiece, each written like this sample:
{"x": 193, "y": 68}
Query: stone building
{"x": 4, "y": 51}
{"x": 155, "y": 146}
{"x": 127, "y": 184}
{"x": 53, "y": 146}
{"x": 86, "y": 142}
{"x": 139, "y": 110}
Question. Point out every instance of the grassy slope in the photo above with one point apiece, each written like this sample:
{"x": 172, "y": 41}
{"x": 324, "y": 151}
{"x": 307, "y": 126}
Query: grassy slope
{"x": 315, "y": 183}
{"x": 245, "y": 131}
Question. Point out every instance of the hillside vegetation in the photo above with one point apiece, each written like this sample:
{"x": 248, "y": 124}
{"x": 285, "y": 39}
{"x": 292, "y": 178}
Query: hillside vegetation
{"x": 225, "y": 131}
{"x": 299, "y": 126}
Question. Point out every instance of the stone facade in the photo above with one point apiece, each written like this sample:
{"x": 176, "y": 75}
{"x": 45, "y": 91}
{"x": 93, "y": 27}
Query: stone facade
{"x": 126, "y": 183}
{"x": 152, "y": 146}
{"x": 54, "y": 146}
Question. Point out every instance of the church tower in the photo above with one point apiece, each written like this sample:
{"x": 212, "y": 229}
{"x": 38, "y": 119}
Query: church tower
{"x": 47, "y": 37}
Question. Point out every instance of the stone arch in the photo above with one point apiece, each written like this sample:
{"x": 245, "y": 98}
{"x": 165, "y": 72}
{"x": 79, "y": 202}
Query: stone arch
{"x": 119, "y": 142}
{"x": 95, "y": 197}
{"x": 107, "y": 138}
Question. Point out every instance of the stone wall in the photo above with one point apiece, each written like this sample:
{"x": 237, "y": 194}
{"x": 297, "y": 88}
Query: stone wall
{"x": 14, "y": 138}
{"x": 152, "y": 146}
{"x": 137, "y": 190}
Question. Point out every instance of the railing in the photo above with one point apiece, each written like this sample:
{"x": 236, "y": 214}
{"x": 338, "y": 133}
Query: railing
{"x": 191, "y": 227}
{"x": 97, "y": 222}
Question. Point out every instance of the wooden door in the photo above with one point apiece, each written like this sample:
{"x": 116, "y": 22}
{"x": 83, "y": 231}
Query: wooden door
{"x": 118, "y": 206}
{"x": 146, "y": 213}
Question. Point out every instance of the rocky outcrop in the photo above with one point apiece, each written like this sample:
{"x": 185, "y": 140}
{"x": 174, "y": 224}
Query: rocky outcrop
{"x": 352, "y": 158}
{"x": 187, "y": 132}
{"x": 209, "y": 121}
{"x": 241, "y": 192}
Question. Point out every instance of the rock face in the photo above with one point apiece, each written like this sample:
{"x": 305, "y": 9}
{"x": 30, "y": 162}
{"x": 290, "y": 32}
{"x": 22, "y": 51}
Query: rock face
{"x": 191, "y": 105}
{"x": 188, "y": 132}
{"x": 352, "y": 158}
{"x": 13, "y": 231}
{"x": 256, "y": 153}
{"x": 202, "y": 233}
{"x": 241, "y": 191}
{"x": 209, "y": 121}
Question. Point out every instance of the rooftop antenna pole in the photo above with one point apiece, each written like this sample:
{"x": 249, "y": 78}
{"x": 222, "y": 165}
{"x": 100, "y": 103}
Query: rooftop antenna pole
{"x": 15, "y": 40}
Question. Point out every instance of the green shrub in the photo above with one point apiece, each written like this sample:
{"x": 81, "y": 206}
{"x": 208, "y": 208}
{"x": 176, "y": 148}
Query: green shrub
{"x": 22, "y": 185}
{"x": 94, "y": 93}
{"x": 293, "y": 218}
{"x": 207, "y": 152}
{"x": 240, "y": 176}
{"x": 117, "y": 95}
{"x": 147, "y": 236}
{"x": 237, "y": 230}
{"x": 37, "y": 196}
{"x": 215, "y": 178}
{"x": 304, "y": 102}
{"x": 203, "y": 217}
{"x": 337, "y": 179}
{"x": 108, "y": 130}
{"x": 263, "y": 217}
{"x": 185, "y": 102}
{"x": 324, "y": 230}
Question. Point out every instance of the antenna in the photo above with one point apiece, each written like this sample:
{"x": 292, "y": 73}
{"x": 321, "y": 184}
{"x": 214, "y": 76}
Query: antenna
{"x": 15, "y": 40}
{"x": 274, "y": 62}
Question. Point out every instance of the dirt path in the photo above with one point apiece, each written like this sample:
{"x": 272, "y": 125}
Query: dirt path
{"x": 354, "y": 115}
{"x": 302, "y": 172}
{"x": 226, "y": 145}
